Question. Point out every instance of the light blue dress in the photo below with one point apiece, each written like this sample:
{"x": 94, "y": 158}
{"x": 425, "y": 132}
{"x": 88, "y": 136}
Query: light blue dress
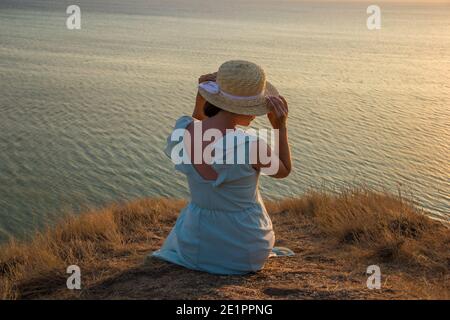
{"x": 225, "y": 228}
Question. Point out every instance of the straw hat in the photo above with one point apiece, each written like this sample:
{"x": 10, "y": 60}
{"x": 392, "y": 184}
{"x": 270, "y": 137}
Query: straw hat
{"x": 240, "y": 87}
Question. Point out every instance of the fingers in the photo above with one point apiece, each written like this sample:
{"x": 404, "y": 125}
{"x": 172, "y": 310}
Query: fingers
{"x": 208, "y": 77}
{"x": 211, "y": 76}
{"x": 278, "y": 106}
{"x": 275, "y": 107}
{"x": 272, "y": 106}
{"x": 285, "y": 103}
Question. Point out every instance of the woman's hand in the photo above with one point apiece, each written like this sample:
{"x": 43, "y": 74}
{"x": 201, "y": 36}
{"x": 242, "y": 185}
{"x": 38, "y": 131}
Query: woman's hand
{"x": 279, "y": 112}
{"x": 199, "y": 113}
{"x": 207, "y": 77}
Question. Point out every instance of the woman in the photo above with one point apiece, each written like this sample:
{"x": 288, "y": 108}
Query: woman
{"x": 225, "y": 228}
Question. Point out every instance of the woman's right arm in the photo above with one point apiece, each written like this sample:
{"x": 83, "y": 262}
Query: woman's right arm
{"x": 281, "y": 160}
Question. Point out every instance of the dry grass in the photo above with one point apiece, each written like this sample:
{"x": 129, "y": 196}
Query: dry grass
{"x": 386, "y": 227}
{"x": 96, "y": 240}
{"x": 334, "y": 236}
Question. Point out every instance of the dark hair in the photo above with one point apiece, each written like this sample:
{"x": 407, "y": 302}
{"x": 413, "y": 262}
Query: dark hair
{"x": 211, "y": 110}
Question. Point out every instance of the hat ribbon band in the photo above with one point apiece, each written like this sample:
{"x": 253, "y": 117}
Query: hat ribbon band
{"x": 213, "y": 88}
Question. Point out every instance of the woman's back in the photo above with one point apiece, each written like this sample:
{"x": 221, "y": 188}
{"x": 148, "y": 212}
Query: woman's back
{"x": 232, "y": 186}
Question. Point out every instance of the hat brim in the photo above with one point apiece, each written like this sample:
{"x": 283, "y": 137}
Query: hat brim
{"x": 255, "y": 107}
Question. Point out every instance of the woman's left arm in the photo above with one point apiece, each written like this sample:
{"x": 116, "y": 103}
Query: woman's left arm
{"x": 199, "y": 113}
